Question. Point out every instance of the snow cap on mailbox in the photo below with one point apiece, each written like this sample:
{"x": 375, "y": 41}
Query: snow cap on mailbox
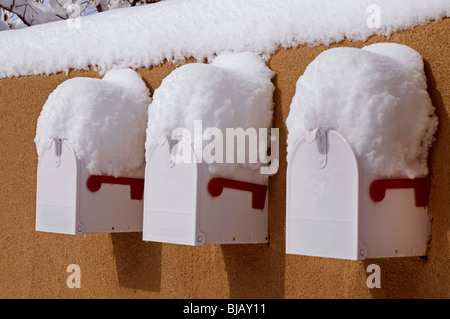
{"x": 234, "y": 91}
{"x": 104, "y": 120}
{"x": 376, "y": 97}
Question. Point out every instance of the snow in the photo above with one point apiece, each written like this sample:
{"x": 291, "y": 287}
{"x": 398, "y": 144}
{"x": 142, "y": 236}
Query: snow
{"x": 3, "y": 25}
{"x": 376, "y": 97}
{"x": 233, "y": 91}
{"x": 148, "y": 35}
{"x": 104, "y": 121}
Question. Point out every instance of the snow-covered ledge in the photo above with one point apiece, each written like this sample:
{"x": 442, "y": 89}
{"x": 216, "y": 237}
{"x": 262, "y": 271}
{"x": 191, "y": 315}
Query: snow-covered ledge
{"x": 176, "y": 29}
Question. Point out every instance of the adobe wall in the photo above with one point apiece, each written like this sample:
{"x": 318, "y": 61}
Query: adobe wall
{"x": 33, "y": 264}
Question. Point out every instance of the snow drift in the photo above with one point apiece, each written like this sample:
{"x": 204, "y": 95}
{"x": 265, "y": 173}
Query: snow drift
{"x": 376, "y": 97}
{"x": 148, "y": 35}
{"x": 103, "y": 120}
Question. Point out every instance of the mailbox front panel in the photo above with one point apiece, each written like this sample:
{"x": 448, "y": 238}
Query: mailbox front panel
{"x": 170, "y": 198}
{"x": 56, "y": 198}
{"x": 322, "y": 198}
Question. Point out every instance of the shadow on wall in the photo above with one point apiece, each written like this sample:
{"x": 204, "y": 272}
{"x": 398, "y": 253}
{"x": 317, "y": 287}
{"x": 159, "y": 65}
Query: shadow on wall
{"x": 422, "y": 277}
{"x": 138, "y": 262}
{"x": 258, "y": 271}
{"x": 254, "y": 271}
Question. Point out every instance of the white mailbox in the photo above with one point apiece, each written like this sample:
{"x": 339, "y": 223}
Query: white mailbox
{"x": 71, "y": 201}
{"x": 185, "y": 204}
{"x": 336, "y": 208}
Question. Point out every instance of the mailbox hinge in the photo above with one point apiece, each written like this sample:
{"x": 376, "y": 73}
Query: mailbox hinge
{"x": 319, "y": 135}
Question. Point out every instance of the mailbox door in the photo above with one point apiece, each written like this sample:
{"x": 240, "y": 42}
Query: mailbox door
{"x": 56, "y": 198}
{"x": 170, "y": 197}
{"x": 323, "y": 197}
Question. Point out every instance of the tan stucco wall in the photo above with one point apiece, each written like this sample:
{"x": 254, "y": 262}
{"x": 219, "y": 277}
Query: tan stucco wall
{"x": 33, "y": 264}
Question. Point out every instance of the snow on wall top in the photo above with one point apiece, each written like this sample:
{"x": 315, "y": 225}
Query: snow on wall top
{"x": 147, "y": 35}
{"x": 377, "y": 98}
{"x": 103, "y": 120}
